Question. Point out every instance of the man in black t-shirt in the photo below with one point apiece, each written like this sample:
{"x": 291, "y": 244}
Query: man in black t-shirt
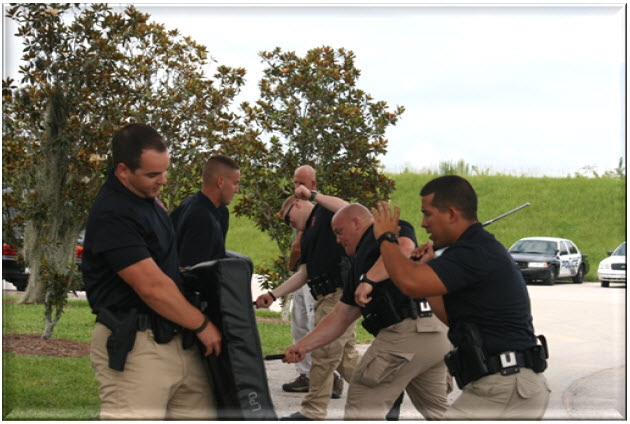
{"x": 131, "y": 276}
{"x": 201, "y": 221}
{"x": 410, "y": 344}
{"x": 322, "y": 265}
{"x": 496, "y": 360}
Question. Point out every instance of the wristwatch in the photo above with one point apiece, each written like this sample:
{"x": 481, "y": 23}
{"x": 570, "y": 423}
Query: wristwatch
{"x": 388, "y": 236}
{"x": 313, "y": 194}
{"x": 364, "y": 279}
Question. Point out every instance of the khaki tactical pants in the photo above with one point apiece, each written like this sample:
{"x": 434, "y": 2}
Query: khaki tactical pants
{"x": 340, "y": 355}
{"x": 520, "y": 396}
{"x": 405, "y": 356}
{"x": 160, "y": 381}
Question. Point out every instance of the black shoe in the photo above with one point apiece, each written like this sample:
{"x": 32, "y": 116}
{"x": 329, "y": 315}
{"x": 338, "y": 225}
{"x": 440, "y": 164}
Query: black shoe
{"x": 337, "y": 387}
{"x": 296, "y": 416}
{"x": 299, "y": 385}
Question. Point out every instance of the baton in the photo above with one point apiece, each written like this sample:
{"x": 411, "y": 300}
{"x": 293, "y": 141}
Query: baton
{"x": 274, "y": 357}
{"x": 524, "y": 205}
{"x": 277, "y": 356}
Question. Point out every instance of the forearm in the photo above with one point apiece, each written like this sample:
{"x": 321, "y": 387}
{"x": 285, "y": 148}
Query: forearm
{"x": 161, "y": 294}
{"x": 331, "y": 327}
{"x": 331, "y": 203}
{"x": 292, "y": 283}
{"x": 378, "y": 272}
{"x": 413, "y": 279}
{"x": 437, "y": 306}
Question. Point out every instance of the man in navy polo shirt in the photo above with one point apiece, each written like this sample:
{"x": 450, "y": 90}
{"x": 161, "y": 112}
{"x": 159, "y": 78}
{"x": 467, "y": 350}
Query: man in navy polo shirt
{"x": 497, "y": 360}
{"x": 202, "y": 220}
{"x": 131, "y": 276}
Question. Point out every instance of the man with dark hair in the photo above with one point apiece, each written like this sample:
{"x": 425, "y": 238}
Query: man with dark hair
{"x": 202, "y": 220}
{"x": 497, "y": 361}
{"x": 323, "y": 265}
{"x": 131, "y": 276}
{"x": 410, "y": 343}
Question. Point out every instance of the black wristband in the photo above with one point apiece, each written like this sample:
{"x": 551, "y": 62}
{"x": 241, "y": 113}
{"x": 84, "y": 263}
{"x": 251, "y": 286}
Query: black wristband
{"x": 313, "y": 194}
{"x": 364, "y": 279}
{"x": 203, "y": 326}
{"x": 272, "y": 296}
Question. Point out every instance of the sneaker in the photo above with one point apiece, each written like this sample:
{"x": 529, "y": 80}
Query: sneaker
{"x": 296, "y": 416}
{"x": 299, "y": 385}
{"x": 337, "y": 387}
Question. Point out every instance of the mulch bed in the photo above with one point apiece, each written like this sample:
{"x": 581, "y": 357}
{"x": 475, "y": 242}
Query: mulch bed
{"x": 33, "y": 344}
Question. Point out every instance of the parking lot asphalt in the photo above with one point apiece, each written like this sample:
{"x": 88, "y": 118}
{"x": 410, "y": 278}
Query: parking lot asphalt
{"x": 585, "y": 327}
{"x": 586, "y": 332}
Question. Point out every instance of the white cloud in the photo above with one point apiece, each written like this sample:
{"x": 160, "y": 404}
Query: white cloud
{"x": 500, "y": 86}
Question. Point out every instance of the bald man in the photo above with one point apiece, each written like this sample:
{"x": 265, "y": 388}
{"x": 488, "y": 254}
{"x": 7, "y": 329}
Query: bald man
{"x": 410, "y": 342}
{"x": 202, "y": 220}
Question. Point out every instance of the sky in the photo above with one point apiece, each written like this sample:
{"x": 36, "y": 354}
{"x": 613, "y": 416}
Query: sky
{"x": 535, "y": 90}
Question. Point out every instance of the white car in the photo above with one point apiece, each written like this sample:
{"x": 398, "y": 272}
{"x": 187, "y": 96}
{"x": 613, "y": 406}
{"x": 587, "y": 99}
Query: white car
{"x": 613, "y": 268}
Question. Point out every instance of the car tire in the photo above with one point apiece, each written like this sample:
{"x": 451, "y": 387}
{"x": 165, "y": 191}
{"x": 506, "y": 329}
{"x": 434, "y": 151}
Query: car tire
{"x": 605, "y": 283}
{"x": 20, "y": 285}
{"x": 579, "y": 277}
{"x": 552, "y": 276}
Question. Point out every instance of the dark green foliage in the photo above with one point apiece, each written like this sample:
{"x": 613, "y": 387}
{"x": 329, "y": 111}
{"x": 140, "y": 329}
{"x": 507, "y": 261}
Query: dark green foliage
{"x": 85, "y": 76}
{"x": 312, "y": 112}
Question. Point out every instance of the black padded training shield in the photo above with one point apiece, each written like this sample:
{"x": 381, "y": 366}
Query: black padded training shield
{"x": 240, "y": 379}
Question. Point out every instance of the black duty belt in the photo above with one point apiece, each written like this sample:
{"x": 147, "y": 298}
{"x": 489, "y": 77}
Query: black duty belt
{"x": 465, "y": 368}
{"x": 325, "y": 284}
{"x": 143, "y": 321}
{"x": 381, "y": 312}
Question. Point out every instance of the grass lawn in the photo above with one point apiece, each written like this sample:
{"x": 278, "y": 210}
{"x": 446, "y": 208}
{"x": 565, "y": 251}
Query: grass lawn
{"x": 52, "y": 388}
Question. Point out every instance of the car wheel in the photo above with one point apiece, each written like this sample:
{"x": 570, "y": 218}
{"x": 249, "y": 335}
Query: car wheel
{"x": 579, "y": 277}
{"x": 605, "y": 283}
{"x": 552, "y": 276}
{"x": 20, "y": 285}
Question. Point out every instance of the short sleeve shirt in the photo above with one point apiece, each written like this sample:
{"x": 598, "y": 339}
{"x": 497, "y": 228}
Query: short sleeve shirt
{"x": 201, "y": 229}
{"x": 123, "y": 229}
{"x": 486, "y": 288}
{"x": 367, "y": 253}
{"x": 319, "y": 248}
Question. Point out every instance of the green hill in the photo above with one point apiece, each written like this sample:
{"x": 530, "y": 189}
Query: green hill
{"x": 589, "y": 211}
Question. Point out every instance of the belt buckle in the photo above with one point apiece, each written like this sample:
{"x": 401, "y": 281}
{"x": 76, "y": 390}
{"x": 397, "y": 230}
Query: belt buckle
{"x": 509, "y": 365}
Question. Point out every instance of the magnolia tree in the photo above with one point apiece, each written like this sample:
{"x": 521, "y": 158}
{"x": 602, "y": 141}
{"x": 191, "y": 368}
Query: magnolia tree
{"x": 312, "y": 112}
{"x": 88, "y": 71}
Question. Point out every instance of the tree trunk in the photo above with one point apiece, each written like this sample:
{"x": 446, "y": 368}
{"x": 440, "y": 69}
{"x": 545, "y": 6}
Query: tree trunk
{"x": 35, "y": 291}
{"x": 51, "y": 234}
{"x": 286, "y": 307}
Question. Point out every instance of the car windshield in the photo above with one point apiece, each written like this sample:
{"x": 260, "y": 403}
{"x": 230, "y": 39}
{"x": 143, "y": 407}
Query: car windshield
{"x": 534, "y": 246}
{"x": 621, "y": 250}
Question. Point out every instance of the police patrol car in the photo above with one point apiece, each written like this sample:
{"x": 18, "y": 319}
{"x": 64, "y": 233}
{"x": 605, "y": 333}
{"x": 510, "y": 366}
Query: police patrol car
{"x": 548, "y": 258}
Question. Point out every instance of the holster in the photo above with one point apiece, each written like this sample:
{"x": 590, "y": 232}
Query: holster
{"x": 324, "y": 284}
{"x": 382, "y": 312}
{"x": 469, "y": 362}
{"x": 123, "y": 336}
